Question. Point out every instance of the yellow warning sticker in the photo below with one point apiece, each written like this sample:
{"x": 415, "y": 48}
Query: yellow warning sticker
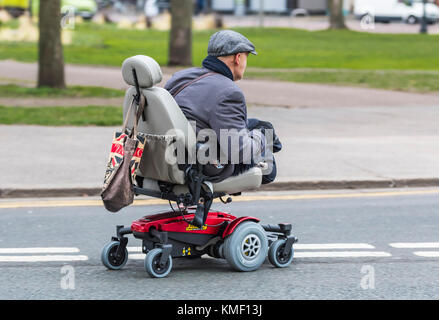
{"x": 191, "y": 227}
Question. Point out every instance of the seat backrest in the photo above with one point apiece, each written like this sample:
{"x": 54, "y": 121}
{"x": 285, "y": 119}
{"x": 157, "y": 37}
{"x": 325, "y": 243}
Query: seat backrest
{"x": 163, "y": 120}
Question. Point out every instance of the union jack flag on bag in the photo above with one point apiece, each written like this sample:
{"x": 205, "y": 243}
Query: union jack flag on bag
{"x": 125, "y": 155}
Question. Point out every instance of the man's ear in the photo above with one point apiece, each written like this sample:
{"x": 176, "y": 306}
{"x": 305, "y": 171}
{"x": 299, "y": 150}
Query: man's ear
{"x": 237, "y": 58}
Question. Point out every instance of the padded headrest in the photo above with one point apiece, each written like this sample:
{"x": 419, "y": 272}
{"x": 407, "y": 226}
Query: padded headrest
{"x": 147, "y": 69}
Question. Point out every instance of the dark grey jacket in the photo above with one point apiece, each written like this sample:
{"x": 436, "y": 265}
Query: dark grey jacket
{"x": 215, "y": 102}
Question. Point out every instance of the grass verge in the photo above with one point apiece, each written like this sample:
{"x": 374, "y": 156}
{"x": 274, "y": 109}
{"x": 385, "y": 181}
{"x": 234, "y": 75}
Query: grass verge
{"x": 62, "y": 116}
{"x": 12, "y": 90}
{"x": 419, "y": 81}
{"x": 277, "y": 48}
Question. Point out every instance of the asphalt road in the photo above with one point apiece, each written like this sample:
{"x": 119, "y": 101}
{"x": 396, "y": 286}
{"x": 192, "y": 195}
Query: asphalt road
{"x": 383, "y": 245}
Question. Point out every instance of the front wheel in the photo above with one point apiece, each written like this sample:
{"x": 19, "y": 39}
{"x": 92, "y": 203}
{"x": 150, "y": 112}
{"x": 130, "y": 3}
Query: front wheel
{"x": 275, "y": 254}
{"x": 152, "y": 264}
{"x": 109, "y": 258}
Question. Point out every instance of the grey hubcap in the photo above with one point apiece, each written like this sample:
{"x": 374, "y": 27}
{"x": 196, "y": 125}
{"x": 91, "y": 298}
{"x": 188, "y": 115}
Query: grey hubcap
{"x": 251, "y": 246}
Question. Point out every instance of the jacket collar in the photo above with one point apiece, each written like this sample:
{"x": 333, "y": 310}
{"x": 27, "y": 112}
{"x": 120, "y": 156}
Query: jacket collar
{"x": 215, "y": 64}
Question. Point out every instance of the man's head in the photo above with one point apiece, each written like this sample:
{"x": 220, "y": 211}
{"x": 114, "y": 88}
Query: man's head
{"x": 236, "y": 63}
{"x": 233, "y": 49}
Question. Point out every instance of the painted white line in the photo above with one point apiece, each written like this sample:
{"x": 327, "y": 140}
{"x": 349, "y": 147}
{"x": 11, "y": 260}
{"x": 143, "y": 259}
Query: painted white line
{"x": 411, "y": 245}
{"x": 38, "y": 250}
{"x": 313, "y": 254}
{"x": 47, "y": 258}
{"x": 428, "y": 254}
{"x": 341, "y": 254}
{"x": 136, "y": 256}
{"x": 308, "y": 246}
{"x": 323, "y": 246}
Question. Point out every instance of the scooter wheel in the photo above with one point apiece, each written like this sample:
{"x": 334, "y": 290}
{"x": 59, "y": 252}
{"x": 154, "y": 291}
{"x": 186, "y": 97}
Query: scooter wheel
{"x": 109, "y": 259}
{"x": 152, "y": 264}
{"x": 246, "y": 248}
{"x": 275, "y": 257}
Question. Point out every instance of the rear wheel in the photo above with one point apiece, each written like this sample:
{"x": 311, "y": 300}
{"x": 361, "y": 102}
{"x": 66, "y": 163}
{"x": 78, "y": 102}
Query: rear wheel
{"x": 246, "y": 248}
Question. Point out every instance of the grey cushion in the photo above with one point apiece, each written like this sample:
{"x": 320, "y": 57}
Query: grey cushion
{"x": 147, "y": 69}
{"x": 247, "y": 180}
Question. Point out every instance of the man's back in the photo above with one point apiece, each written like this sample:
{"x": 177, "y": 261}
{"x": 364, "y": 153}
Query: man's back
{"x": 215, "y": 102}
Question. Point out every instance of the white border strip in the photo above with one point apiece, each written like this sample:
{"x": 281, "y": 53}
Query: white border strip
{"x": 327, "y": 246}
{"x": 38, "y": 250}
{"x": 47, "y": 258}
{"x": 411, "y": 245}
{"x": 427, "y": 254}
{"x": 314, "y": 254}
{"x": 309, "y": 246}
{"x": 136, "y": 256}
{"x": 341, "y": 254}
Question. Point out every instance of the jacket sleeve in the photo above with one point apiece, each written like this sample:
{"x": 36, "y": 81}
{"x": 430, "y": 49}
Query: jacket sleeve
{"x": 229, "y": 121}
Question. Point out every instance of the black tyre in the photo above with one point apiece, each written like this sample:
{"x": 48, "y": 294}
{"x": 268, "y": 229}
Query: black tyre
{"x": 109, "y": 259}
{"x": 152, "y": 264}
{"x": 412, "y": 20}
{"x": 246, "y": 248}
{"x": 275, "y": 257}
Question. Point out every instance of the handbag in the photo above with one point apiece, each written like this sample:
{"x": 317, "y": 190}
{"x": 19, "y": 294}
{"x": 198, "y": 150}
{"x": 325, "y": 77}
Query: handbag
{"x": 126, "y": 152}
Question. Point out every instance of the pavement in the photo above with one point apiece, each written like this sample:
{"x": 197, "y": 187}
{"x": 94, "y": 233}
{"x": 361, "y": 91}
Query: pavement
{"x": 366, "y": 244}
{"x": 333, "y": 137}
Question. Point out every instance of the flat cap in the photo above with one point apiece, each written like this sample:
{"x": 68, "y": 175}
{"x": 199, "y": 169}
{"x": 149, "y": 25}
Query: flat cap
{"x": 228, "y": 42}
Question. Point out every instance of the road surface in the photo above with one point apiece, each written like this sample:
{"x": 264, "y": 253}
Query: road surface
{"x": 369, "y": 244}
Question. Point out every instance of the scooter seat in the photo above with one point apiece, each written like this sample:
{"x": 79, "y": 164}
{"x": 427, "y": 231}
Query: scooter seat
{"x": 245, "y": 181}
{"x": 163, "y": 122}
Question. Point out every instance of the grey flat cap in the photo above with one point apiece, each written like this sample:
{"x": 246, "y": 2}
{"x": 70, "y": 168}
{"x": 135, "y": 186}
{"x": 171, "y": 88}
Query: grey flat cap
{"x": 228, "y": 42}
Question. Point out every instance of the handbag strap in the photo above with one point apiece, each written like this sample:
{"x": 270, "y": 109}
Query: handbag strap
{"x": 190, "y": 82}
{"x": 138, "y": 114}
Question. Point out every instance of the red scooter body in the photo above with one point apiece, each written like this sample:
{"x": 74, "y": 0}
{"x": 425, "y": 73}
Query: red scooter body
{"x": 176, "y": 222}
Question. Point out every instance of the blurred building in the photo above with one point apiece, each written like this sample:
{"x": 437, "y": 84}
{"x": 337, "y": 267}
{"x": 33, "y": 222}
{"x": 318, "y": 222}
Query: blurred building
{"x": 269, "y": 6}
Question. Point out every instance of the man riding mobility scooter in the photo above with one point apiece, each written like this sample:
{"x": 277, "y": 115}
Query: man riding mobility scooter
{"x": 191, "y": 228}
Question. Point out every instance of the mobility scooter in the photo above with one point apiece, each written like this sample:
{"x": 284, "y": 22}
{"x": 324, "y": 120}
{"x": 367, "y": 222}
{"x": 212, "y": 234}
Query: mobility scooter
{"x": 190, "y": 228}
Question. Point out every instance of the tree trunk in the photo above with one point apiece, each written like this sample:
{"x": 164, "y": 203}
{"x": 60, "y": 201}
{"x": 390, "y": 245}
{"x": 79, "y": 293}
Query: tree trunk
{"x": 50, "y": 54}
{"x": 336, "y": 17}
{"x": 180, "y": 40}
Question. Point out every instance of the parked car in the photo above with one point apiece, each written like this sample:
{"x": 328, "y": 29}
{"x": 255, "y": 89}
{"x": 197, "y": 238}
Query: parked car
{"x": 15, "y": 7}
{"x": 410, "y": 11}
{"x": 84, "y": 8}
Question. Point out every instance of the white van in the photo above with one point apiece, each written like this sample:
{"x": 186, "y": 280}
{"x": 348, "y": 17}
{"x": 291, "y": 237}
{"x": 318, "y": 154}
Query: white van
{"x": 410, "y": 11}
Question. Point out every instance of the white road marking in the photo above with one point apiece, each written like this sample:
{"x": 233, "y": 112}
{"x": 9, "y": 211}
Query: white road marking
{"x": 38, "y": 250}
{"x": 324, "y": 246}
{"x": 428, "y": 254}
{"x": 411, "y": 245}
{"x": 46, "y": 258}
{"x": 341, "y": 254}
{"x": 303, "y": 254}
{"x": 308, "y": 246}
{"x": 136, "y": 256}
